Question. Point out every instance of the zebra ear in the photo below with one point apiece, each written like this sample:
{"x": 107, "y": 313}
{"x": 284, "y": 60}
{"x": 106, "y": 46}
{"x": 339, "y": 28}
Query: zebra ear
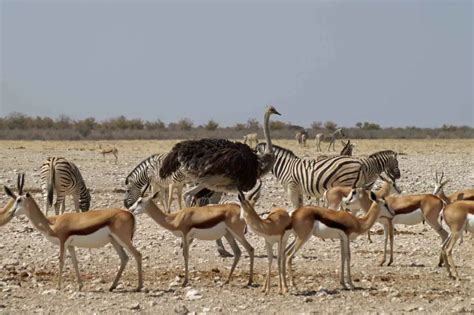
{"x": 155, "y": 195}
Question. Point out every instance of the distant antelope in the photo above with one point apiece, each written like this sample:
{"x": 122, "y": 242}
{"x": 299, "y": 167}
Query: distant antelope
{"x": 331, "y": 138}
{"x": 251, "y": 138}
{"x": 113, "y": 151}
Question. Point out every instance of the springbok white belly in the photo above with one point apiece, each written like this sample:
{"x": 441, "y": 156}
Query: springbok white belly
{"x": 412, "y": 218}
{"x": 214, "y": 233}
{"x": 99, "y": 238}
{"x": 470, "y": 223}
{"x": 323, "y": 231}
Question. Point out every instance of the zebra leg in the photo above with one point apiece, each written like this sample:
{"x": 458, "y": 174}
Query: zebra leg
{"x": 76, "y": 203}
{"x": 296, "y": 197}
{"x": 221, "y": 249}
{"x": 59, "y": 201}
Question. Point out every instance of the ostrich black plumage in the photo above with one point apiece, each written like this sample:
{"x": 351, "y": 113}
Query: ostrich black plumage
{"x": 220, "y": 164}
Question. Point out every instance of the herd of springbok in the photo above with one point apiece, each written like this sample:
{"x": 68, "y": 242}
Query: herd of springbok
{"x": 231, "y": 219}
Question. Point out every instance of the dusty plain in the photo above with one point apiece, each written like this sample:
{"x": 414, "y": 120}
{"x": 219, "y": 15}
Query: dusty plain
{"x": 28, "y": 262}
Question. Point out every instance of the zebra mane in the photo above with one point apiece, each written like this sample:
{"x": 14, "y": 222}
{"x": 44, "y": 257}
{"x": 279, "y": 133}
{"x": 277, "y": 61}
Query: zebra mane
{"x": 277, "y": 149}
{"x": 137, "y": 168}
{"x": 385, "y": 152}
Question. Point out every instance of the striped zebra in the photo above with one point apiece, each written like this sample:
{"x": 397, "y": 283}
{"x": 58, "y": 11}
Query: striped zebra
{"x": 331, "y": 138}
{"x": 146, "y": 172}
{"x": 309, "y": 177}
{"x": 63, "y": 177}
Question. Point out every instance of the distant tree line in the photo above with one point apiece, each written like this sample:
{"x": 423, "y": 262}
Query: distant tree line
{"x": 19, "y": 126}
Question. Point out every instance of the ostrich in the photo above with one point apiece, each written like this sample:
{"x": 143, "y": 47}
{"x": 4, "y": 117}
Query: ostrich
{"x": 220, "y": 164}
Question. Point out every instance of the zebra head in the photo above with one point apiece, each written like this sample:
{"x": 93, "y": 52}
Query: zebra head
{"x": 391, "y": 165}
{"x": 85, "y": 200}
{"x": 132, "y": 193}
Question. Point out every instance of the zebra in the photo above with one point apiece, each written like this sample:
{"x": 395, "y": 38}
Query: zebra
{"x": 146, "y": 172}
{"x": 331, "y": 138}
{"x": 309, "y": 177}
{"x": 60, "y": 175}
{"x": 301, "y": 137}
{"x": 347, "y": 149}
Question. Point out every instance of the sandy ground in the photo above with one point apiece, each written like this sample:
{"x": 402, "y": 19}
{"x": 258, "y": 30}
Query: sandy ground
{"x": 28, "y": 262}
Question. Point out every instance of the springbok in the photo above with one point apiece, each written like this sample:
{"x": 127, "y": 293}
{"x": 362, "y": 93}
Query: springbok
{"x": 92, "y": 229}
{"x": 459, "y": 216}
{"x": 326, "y": 223}
{"x": 275, "y": 228}
{"x": 204, "y": 223}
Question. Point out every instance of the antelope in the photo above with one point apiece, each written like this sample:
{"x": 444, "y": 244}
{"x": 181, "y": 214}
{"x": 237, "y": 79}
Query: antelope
{"x": 92, "y": 229}
{"x": 409, "y": 210}
{"x": 112, "y": 150}
{"x": 209, "y": 222}
{"x": 467, "y": 194}
{"x": 275, "y": 228}
{"x": 326, "y": 223}
{"x": 333, "y": 197}
{"x": 459, "y": 216}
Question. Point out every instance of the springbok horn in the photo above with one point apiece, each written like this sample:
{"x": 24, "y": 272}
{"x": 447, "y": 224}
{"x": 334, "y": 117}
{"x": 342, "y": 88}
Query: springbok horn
{"x": 22, "y": 184}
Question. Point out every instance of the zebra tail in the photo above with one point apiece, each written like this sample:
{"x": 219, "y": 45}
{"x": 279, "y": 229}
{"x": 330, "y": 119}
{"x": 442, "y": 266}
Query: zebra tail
{"x": 51, "y": 186}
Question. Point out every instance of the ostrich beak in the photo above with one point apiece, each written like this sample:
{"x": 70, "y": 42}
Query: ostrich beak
{"x": 274, "y": 111}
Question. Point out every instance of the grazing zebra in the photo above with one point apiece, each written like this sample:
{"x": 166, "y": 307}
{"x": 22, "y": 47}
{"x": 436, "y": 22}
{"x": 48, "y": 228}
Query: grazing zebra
{"x": 301, "y": 137}
{"x": 146, "y": 172}
{"x": 309, "y": 177}
{"x": 60, "y": 175}
{"x": 331, "y": 138}
{"x": 347, "y": 149}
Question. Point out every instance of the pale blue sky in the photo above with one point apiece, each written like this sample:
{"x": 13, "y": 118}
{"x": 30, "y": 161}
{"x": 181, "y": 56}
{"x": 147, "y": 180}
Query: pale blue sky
{"x": 398, "y": 63}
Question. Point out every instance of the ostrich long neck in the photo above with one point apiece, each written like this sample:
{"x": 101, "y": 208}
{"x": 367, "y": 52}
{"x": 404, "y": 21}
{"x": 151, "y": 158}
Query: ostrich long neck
{"x": 159, "y": 216}
{"x": 37, "y": 218}
{"x": 266, "y": 133}
{"x": 369, "y": 219}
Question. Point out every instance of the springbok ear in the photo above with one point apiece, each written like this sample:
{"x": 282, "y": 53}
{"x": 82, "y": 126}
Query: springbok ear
{"x": 241, "y": 197}
{"x": 372, "y": 196}
{"x": 9, "y": 192}
{"x": 460, "y": 196}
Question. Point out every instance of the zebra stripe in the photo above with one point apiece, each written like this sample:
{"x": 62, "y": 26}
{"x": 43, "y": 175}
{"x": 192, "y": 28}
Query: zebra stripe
{"x": 143, "y": 174}
{"x": 312, "y": 177}
{"x": 60, "y": 175}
